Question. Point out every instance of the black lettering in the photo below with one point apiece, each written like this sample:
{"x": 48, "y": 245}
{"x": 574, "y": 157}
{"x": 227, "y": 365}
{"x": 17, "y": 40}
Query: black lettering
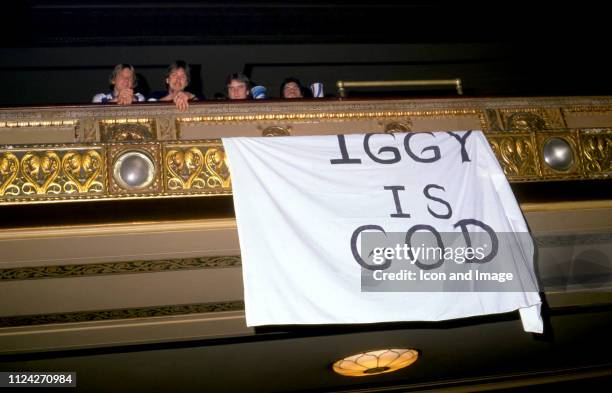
{"x": 435, "y": 149}
{"x": 394, "y": 150}
{"x": 356, "y": 254}
{"x": 468, "y": 241}
{"x": 431, "y": 229}
{"x": 345, "y": 157}
{"x": 449, "y": 210}
{"x": 462, "y": 140}
{"x": 398, "y": 206}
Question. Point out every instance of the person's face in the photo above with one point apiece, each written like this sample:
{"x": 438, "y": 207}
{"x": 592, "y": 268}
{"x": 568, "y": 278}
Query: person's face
{"x": 237, "y": 90}
{"x": 292, "y": 90}
{"x": 123, "y": 80}
{"x": 177, "y": 80}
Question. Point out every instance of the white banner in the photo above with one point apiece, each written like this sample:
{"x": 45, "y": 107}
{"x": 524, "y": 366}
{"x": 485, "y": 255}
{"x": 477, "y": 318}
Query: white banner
{"x": 306, "y": 206}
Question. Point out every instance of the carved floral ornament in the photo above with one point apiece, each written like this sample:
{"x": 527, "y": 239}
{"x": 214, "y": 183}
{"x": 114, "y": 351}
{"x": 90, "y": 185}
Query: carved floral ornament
{"x": 196, "y": 168}
{"x": 49, "y": 172}
{"x": 597, "y": 152}
{"x": 525, "y": 121}
{"x": 516, "y": 155}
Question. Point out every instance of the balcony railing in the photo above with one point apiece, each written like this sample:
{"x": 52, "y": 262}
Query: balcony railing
{"x": 60, "y": 154}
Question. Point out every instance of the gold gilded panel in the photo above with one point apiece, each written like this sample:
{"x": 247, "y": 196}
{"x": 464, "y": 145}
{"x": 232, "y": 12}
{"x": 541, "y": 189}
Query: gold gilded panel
{"x": 516, "y": 154}
{"x": 397, "y": 126}
{"x": 493, "y": 120}
{"x": 150, "y": 150}
{"x": 275, "y": 131}
{"x": 127, "y": 130}
{"x": 196, "y": 168}
{"x": 52, "y": 173}
{"x": 38, "y": 123}
{"x": 166, "y": 126}
{"x": 524, "y": 120}
{"x": 554, "y": 118}
{"x": 596, "y": 149}
{"x": 571, "y": 137}
{"x": 9, "y": 169}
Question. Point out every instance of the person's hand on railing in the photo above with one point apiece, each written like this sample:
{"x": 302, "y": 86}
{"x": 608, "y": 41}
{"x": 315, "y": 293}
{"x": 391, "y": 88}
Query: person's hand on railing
{"x": 125, "y": 97}
{"x": 181, "y": 100}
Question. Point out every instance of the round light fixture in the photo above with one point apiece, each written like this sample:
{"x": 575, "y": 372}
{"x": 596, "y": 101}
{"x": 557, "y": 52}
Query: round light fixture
{"x": 558, "y": 154}
{"x": 375, "y": 362}
{"x": 134, "y": 170}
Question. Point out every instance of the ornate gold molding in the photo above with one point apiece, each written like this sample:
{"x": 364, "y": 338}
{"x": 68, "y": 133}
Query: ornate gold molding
{"x": 397, "y": 126}
{"x": 152, "y": 150}
{"x": 529, "y": 119}
{"x": 130, "y": 313}
{"x": 517, "y": 155}
{"x": 596, "y": 149}
{"x": 53, "y": 172}
{"x": 275, "y": 131}
{"x": 338, "y": 116}
{"x": 575, "y": 170}
{"x": 38, "y": 123}
{"x": 127, "y": 130}
{"x": 195, "y": 167}
{"x": 69, "y": 172}
{"x": 101, "y": 269}
{"x": 585, "y": 110}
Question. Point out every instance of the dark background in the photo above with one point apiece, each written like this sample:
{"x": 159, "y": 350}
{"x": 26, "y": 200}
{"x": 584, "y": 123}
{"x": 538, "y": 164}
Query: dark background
{"x": 61, "y": 52}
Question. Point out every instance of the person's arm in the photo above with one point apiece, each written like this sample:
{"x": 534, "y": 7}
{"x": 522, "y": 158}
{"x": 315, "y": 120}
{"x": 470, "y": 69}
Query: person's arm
{"x": 99, "y": 98}
{"x": 181, "y": 100}
{"x": 125, "y": 97}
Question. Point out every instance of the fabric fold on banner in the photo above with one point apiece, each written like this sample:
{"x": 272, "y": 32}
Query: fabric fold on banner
{"x": 367, "y": 228}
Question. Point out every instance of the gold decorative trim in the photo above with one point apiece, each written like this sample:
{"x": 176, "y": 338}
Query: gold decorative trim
{"x": 166, "y": 127}
{"x": 38, "y": 123}
{"x": 103, "y": 269}
{"x": 152, "y": 150}
{"x": 517, "y": 155}
{"x": 524, "y": 120}
{"x": 275, "y": 131}
{"x": 334, "y": 116}
{"x": 68, "y": 172}
{"x": 596, "y": 152}
{"x": 51, "y": 172}
{"x": 195, "y": 167}
{"x": 575, "y": 170}
{"x": 555, "y": 118}
{"x": 397, "y": 126}
{"x": 130, "y": 313}
{"x": 585, "y": 110}
{"x": 330, "y": 116}
{"x": 128, "y": 130}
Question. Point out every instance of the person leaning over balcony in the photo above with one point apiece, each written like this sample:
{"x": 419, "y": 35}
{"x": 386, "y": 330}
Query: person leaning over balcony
{"x": 237, "y": 86}
{"x": 123, "y": 82}
{"x": 291, "y": 88}
{"x": 178, "y": 77}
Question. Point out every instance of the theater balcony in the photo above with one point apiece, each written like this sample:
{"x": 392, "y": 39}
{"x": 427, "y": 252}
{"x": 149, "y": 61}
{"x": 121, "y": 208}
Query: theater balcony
{"x": 120, "y": 257}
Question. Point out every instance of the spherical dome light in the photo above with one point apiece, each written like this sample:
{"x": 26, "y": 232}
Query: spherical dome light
{"x": 375, "y": 362}
{"x": 134, "y": 170}
{"x": 558, "y": 154}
